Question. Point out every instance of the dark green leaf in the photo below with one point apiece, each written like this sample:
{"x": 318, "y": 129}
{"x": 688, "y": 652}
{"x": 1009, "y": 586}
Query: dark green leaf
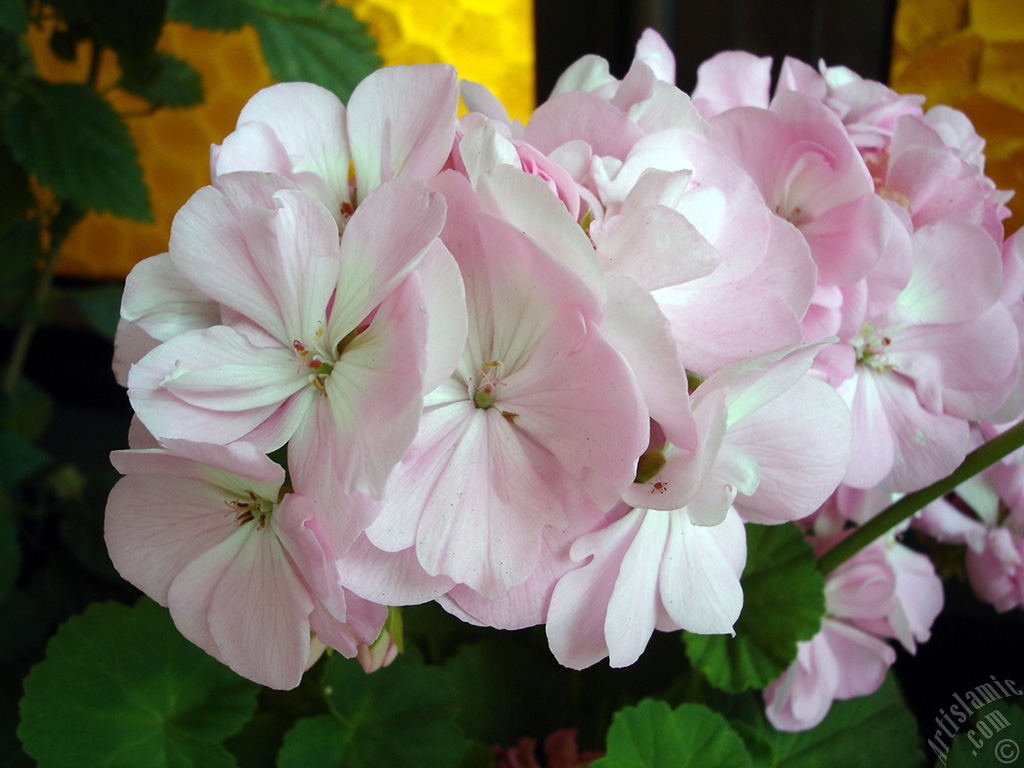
{"x": 172, "y": 83}
{"x": 129, "y": 27}
{"x": 18, "y": 272}
{"x": 992, "y": 739}
{"x": 219, "y": 15}
{"x": 402, "y": 716}
{"x": 19, "y": 458}
{"x": 14, "y": 16}
{"x": 10, "y": 552}
{"x": 506, "y": 689}
{"x": 16, "y": 198}
{"x": 651, "y": 735}
{"x": 758, "y": 747}
{"x": 101, "y": 305}
{"x": 257, "y": 745}
{"x": 121, "y": 687}
{"x": 73, "y": 141}
{"x": 783, "y": 602}
{"x": 27, "y": 411}
{"x": 314, "y": 41}
{"x": 477, "y": 755}
{"x": 860, "y": 733}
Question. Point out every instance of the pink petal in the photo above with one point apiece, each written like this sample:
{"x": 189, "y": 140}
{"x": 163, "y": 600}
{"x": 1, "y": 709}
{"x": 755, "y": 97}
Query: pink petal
{"x": 577, "y": 398}
{"x": 369, "y": 412}
{"x": 211, "y": 385}
{"x": 569, "y": 116}
{"x": 163, "y": 303}
{"x": 389, "y": 578}
{"x": 155, "y": 527}
{"x": 801, "y": 443}
{"x": 309, "y": 123}
{"x": 576, "y": 618}
{"x": 373, "y": 266}
{"x": 633, "y": 603}
{"x": 401, "y": 123}
{"x": 276, "y": 259}
{"x": 699, "y": 577}
{"x": 242, "y": 603}
{"x": 863, "y": 659}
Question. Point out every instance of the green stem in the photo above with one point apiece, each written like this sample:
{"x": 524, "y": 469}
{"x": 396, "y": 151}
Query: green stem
{"x": 977, "y": 460}
{"x": 95, "y": 60}
{"x": 66, "y": 217}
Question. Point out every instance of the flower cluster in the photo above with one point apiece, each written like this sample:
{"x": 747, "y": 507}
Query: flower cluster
{"x": 546, "y": 374}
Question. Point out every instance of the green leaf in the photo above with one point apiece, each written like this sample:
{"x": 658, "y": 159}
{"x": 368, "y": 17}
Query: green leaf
{"x": 121, "y": 687}
{"x": 651, "y": 735}
{"x": 315, "y": 41}
{"x": 783, "y": 602}
{"x": 27, "y": 411}
{"x": 477, "y": 755}
{"x": 310, "y": 40}
{"x": 758, "y": 747}
{"x": 860, "y": 733}
{"x": 992, "y": 739}
{"x": 402, "y": 716}
{"x": 14, "y": 16}
{"x": 129, "y": 27}
{"x": 19, "y": 458}
{"x": 10, "y": 552}
{"x": 218, "y": 15}
{"x": 73, "y": 141}
{"x": 18, "y": 271}
{"x": 101, "y": 305}
{"x": 173, "y": 83}
{"x": 16, "y": 198}
{"x": 506, "y": 689}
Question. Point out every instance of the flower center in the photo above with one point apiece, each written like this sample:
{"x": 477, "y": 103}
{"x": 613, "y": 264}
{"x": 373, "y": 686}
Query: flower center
{"x": 871, "y": 349}
{"x": 318, "y": 360}
{"x": 248, "y": 507}
{"x": 485, "y": 389}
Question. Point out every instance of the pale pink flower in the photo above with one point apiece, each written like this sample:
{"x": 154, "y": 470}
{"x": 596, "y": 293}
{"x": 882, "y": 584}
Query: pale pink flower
{"x": 325, "y": 344}
{"x": 868, "y": 109}
{"x": 884, "y": 591}
{"x": 732, "y": 79}
{"x": 989, "y": 520}
{"x": 840, "y": 662}
{"x": 245, "y": 565}
{"x": 540, "y": 402}
{"x": 399, "y": 123}
{"x": 810, "y": 173}
{"x": 944, "y": 353}
{"x": 772, "y": 445}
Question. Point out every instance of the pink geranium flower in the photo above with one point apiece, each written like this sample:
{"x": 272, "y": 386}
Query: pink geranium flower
{"x": 399, "y": 123}
{"x": 324, "y": 343}
{"x": 772, "y": 445}
{"x": 539, "y": 402}
{"x": 245, "y": 565}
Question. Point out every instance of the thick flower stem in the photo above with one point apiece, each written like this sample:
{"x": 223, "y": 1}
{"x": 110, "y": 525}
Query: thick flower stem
{"x": 979, "y": 459}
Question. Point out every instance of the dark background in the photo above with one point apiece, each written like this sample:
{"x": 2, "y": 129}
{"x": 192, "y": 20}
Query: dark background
{"x": 854, "y": 33}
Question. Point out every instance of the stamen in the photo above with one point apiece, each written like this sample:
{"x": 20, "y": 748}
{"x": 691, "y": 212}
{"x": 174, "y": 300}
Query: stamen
{"x": 484, "y": 396}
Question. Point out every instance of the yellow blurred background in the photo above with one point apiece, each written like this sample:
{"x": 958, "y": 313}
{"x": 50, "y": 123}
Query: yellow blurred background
{"x": 969, "y": 54}
{"x": 489, "y": 41}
